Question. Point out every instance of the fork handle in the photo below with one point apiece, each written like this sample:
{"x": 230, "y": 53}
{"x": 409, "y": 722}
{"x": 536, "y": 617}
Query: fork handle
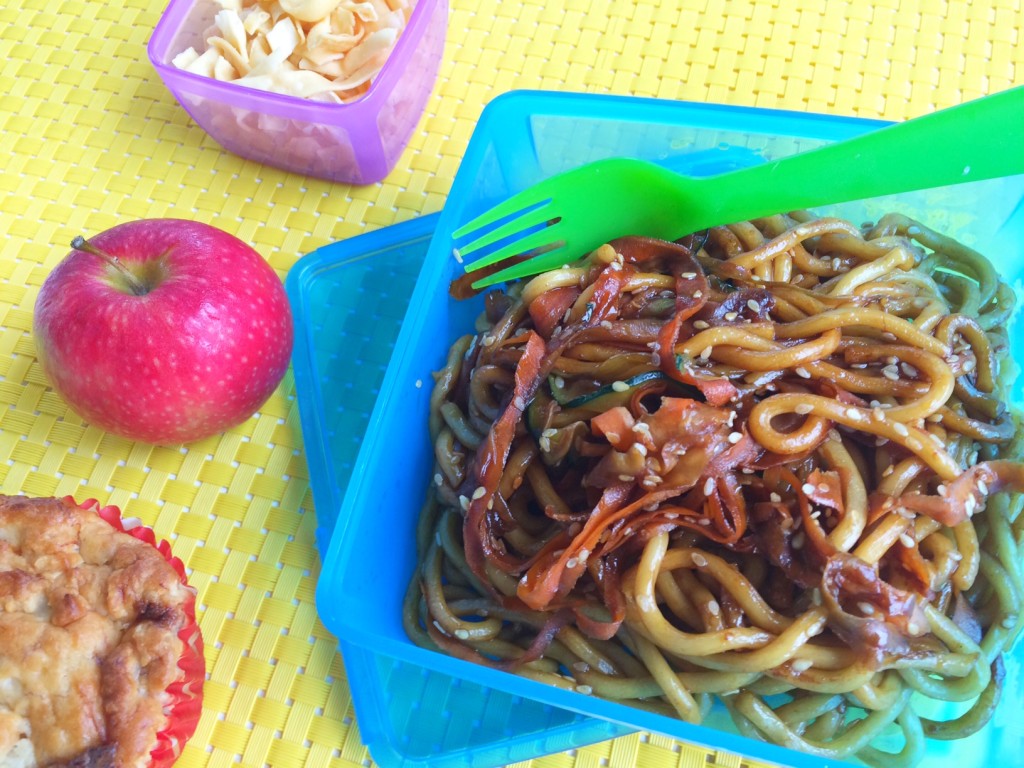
{"x": 978, "y": 140}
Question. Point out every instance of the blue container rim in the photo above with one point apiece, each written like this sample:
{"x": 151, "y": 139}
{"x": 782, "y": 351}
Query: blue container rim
{"x": 517, "y": 105}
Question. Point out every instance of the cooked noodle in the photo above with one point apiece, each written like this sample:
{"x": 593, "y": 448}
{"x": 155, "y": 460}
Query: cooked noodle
{"x": 771, "y": 463}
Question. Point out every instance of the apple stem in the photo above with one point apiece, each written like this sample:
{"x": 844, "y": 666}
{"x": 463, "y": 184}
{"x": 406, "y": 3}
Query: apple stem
{"x": 136, "y": 285}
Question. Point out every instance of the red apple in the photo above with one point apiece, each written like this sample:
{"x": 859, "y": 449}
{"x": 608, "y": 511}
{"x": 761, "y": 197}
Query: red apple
{"x": 163, "y": 330}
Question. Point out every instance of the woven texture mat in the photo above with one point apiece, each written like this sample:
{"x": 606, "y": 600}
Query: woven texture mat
{"x": 90, "y": 137}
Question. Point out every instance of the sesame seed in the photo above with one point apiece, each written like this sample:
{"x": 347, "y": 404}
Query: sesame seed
{"x": 900, "y": 429}
{"x": 438, "y": 480}
{"x": 620, "y": 386}
{"x": 803, "y": 373}
{"x": 709, "y": 486}
{"x": 807, "y": 488}
{"x": 730, "y": 316}
{"x": 968, "y": 365}
{"x": 479, "y": 493}
{"x": 688, "y": 275}
{"x": 549, "y": 432}
{"x": 699, "y": 560}
{"x": 801, "y": 665}
{"x": 775, "y": 497}
{"x": 854, "y": 414}
{"x": 487, "y": 339}
{"x": 641, "y": 426}
{"x": 464, "y": 502}
{"x": 626, "y": 478}
{"x": 571, "y": 563}
{"x": 908, "y": 369}
{"x": 891, "y": 373}
{"x": 559, "y": 382}
{"x": 640, "y": 448}
{"x": 713, "y": 608}
{"x": 735, "y": 437}
{"x": 866, "y": 608}
{"x": 586, "y": 690}
{"x": 462, "y": 634}
{"x": 698, "y": 294}
{"x": 700, "y": 325}
{"x": 753, "y": 306}
{"x": 520, "y": 404}
{"x": 732, "y": 418}
{"x": 705, "y": 353}
{"x": 606, "y": 323}
{"x": 983, "y": 487}
{"x": 584, "y": 555}
{"x": 907, "y": 540}
{"x": 914, "y": 628}
{"x": 877, "y": 414}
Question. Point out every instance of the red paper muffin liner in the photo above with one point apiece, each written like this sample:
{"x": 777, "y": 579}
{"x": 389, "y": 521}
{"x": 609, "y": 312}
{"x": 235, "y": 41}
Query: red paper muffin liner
{"x": 186, "y": 694}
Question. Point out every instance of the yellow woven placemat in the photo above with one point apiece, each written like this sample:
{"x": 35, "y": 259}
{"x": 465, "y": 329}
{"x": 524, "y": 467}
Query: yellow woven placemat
{"x": 89, "y": 137}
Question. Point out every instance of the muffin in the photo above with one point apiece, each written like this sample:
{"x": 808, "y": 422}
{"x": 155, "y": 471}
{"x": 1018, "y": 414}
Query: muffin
{"x": 100, "y": 655}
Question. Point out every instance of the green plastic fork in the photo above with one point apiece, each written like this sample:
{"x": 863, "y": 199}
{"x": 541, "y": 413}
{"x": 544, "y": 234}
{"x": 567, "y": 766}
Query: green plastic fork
{"x": 588, "y": 206}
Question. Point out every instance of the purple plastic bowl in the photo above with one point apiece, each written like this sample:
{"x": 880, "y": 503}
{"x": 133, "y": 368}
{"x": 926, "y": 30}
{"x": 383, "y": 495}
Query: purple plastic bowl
{"x": 356, "y": 143}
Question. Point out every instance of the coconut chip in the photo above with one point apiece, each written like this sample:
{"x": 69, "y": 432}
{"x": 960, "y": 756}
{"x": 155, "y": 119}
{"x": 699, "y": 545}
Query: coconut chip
{"x": 328, "y": 50}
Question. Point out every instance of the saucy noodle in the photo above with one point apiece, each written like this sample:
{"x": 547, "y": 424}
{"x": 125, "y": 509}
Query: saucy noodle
{"x": 771, "y": 463}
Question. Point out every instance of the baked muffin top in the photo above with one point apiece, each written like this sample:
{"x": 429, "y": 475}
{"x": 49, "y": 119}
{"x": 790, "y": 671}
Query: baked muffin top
{"x": 89, "y": 623}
